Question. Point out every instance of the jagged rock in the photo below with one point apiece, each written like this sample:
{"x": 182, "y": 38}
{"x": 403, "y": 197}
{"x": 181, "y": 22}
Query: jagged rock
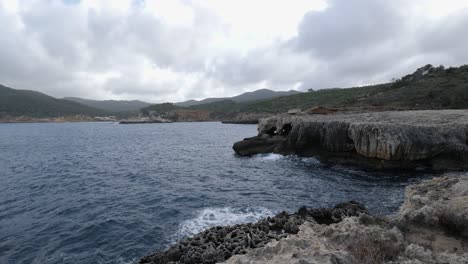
{"x": 343, "y": 234}
{"x": 220, "y": 243}
{"x": 405, "y": 139}
{"x": 372, "y": 240}
{"x": 344, "y": 242}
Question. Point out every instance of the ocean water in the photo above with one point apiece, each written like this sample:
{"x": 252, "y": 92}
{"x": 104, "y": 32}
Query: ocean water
{"x": 110, "y": 193}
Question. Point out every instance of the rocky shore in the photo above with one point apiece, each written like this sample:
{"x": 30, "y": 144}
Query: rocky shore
{"x": 246, "y": 118}
{"x": 434, "y": 139}
{"x": 431, "y": 227}
{"x": 60, "y": 119}
{"x": 218, "y": 244}
{"x": 144, "y": 120}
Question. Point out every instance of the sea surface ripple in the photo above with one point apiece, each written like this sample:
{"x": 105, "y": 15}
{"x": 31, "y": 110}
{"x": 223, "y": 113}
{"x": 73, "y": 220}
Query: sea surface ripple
{"x": 109, "y": 193}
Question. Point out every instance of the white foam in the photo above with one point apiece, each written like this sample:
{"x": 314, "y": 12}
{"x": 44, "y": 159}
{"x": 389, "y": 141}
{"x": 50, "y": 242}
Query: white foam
{"x": 269, "y": 157}
{"x": 311, "y": 160}
{"x": 210, "y": 217}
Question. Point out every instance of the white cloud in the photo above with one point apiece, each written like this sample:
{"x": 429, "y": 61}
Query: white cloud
{"x": 158, "y": 50}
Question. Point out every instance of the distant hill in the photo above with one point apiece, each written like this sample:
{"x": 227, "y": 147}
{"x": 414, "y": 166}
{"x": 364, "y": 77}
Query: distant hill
{"x": 35, "y": 104}
{"x": 261, "y": 94}
{"x": 115, "y": 106}
{"x": 428, "y": 87}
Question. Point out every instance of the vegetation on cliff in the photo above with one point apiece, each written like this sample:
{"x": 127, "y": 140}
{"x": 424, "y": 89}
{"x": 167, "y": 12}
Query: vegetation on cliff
{"x": 428, "y": 87}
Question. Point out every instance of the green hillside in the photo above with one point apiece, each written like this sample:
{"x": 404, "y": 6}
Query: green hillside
{"x": 427, "y": 88}
{"x": 34, "y": 104}
{"x": 115, "y": 106}
{"x": 261, "y": 94}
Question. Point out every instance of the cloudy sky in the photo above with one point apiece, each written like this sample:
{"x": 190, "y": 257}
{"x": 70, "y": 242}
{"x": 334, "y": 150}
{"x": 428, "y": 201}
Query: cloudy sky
{"x": 173, "y": 50}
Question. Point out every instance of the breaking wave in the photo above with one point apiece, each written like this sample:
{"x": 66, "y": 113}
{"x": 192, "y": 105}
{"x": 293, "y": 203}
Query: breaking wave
{"x": 269, "y": 157}
{"x": 210, "y": 217}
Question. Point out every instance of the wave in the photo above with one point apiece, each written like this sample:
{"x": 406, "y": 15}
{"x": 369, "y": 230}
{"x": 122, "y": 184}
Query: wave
{"x": 210, "y": 217}
{"x": 269, "y": 157}
{"x": 294, "y": 158}
{"x": 310, "y": 160}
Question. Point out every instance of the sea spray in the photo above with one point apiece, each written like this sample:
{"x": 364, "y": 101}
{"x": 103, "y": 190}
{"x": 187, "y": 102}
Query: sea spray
{"x": 210, "y": 217}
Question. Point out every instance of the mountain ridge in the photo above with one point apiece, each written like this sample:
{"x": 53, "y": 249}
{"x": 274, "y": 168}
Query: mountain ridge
{"x": 14, "y": 102}
{"x": 427, "y": 88}
{"x": 114, "y": 106}
{"x": 260, "y": 94}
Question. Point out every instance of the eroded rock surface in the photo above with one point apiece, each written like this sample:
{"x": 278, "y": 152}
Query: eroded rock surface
{"x": 405, "y": 139}
{"x": 348, "y": 241}
{"x": 416, "y": 235}
{"x": 429, "y": 228}
{"x": 220, "y": 243}
{"x": 439, "y": 203}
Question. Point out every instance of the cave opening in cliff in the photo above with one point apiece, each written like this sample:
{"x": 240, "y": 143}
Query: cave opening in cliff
{"x": 286, "y": 129}
{"x": 271, "y": 131}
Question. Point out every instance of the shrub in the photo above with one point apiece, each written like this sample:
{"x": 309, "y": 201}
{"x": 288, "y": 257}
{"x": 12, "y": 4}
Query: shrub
{"x": 374, "y": 248}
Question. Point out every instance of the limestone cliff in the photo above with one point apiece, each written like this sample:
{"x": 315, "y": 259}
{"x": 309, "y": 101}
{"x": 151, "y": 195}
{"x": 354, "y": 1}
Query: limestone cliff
{"x": 405, "y": 139}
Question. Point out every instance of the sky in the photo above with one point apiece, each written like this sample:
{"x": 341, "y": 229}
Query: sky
{"x": 175, "y": 50}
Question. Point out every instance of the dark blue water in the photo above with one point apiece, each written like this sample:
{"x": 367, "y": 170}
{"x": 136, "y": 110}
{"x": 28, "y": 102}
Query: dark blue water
{"x": 109, "y": 193}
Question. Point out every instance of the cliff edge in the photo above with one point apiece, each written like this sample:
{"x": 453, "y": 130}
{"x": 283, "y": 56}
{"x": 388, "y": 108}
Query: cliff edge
{"x": 435, "y": 139}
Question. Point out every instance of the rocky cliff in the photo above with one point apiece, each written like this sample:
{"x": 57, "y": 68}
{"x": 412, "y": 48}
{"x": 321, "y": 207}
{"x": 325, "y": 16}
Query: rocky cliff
{"x": 386, "y": 140}
{"x": 245, "y": 118}
{"x": 431, "y": 227}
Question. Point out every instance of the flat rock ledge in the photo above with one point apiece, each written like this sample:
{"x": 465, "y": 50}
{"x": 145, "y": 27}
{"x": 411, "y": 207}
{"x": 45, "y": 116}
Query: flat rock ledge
{"x": 432, "y": 139}
{"x": 431, "y": 227}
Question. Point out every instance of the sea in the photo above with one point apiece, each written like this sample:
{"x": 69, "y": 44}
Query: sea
{"x": 109, "y": 193}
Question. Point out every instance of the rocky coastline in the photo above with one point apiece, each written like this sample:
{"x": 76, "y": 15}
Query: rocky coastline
{"x": 60, "y": 119}
{"x": 144, "y": 121}
{"x": 246, "y": 118}
{"x": 431, "y": 227}
{"x": 431, "y": 139}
